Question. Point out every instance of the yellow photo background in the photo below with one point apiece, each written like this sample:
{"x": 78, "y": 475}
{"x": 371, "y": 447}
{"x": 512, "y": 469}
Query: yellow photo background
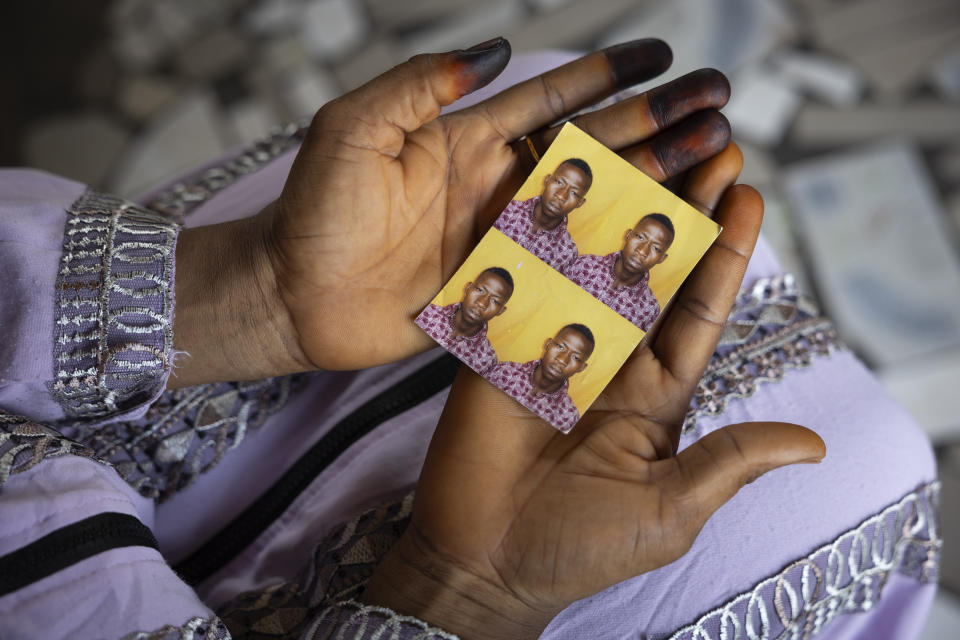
{"x": 543, "y": 302}
{"x": 620, "y": 195}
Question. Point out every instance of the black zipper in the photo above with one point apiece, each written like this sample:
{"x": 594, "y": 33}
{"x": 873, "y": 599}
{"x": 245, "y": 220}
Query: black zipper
{"x": 69, "y": 545}
{"x": 249, "y": 524}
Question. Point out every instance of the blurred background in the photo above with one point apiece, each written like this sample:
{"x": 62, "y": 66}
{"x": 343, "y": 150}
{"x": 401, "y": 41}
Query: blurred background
{"x": 848, "y": 113}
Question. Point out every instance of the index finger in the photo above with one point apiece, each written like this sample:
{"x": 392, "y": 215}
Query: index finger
{"x": 563, "y": 91}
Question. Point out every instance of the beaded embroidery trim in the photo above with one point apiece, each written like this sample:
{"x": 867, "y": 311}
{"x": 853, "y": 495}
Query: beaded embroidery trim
{"x": 194, "y": 629}
{"x": 362, "y": 622}
{"x": 24, "y": 444}
{"x": 844, "y": 576}
{"x": 187, "y": 432}
{"x": 771, "y": 329}
{"x": 113, "y": 333}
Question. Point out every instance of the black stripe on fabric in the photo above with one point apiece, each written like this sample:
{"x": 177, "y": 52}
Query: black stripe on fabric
{"x": 246, "y": 527}
{"x": 69, "y": 545}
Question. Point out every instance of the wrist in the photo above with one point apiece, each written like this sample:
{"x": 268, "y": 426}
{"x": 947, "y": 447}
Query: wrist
{"x": 229, "y": 319}
{"x": 413, "y": 581}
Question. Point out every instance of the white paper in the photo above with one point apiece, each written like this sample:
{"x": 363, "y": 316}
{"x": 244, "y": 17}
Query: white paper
{"x": 878, "y": 248}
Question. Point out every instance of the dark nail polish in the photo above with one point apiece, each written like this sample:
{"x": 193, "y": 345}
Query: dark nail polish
{"x": 638, "y": 61}
{"x": 481, "y": 63}
{"x": 691, "y": 141}
{"x": 492, "y": 43}
{"x": 677, "y": 99}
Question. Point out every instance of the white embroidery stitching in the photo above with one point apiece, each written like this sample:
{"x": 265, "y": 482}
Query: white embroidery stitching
{"x": 369, "y": 618}
{"x": 114, "y": 253}
{"x": 183, "y": 197}
{"x": 194, "y": 629}
{"x": 844, "y": 576}
{"x": 24, "y": 444}
{"x": 772, "y": 328}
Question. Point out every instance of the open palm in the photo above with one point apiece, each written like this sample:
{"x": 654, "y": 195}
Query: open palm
{"x": 523, "y": 520}
{"x": 386, "y": 199}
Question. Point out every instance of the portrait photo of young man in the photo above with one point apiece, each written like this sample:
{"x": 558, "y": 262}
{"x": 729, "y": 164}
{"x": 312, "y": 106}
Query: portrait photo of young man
{"x": 542, "y": 385}
{"x": 461, "y": 328}
{"x": 539, "y": 224}
{"x": 621, "y": 279}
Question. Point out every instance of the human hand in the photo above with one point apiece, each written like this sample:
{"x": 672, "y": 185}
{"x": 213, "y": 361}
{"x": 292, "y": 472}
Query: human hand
{"x": 386, "y": 199}
{"x": 513, "y": 521}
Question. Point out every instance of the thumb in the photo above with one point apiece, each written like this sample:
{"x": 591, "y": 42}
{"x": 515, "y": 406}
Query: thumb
{"x": 411, "y": 94}
{"x": 714, "y": 468}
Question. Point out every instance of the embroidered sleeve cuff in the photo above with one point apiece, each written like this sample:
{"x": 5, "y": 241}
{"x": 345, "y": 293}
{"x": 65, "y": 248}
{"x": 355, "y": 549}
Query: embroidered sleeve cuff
{"x": 354, "y": 621}
{"x": 113, "y": 329}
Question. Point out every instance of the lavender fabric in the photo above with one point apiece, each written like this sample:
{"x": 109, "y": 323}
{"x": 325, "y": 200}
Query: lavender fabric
{"x": 31, "y": 243}
{"x": 876, "y": 456}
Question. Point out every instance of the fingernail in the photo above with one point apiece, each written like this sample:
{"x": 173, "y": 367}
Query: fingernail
{"x": 639, "y": 60}
{"x": 810, "y": 461}
{"x": 487, "y": 45}
{"x": 480, "y": 64}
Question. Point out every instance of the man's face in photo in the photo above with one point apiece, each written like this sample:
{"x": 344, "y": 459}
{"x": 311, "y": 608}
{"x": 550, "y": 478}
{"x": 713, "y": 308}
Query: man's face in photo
{"x": 645, "y": 246}
{"x": 564, "y": 355}
{"x": 485, "y": 298}
{"x": 563, "y": 191}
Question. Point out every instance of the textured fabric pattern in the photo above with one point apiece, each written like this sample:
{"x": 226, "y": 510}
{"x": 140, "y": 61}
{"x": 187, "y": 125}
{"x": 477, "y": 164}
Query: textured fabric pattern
{"x": 338, "y": 569}
{"x": 181, "y": 198}
{"x": 114, "y": 343}
{"x": 193, "y": 629}
{"x": 188, "y": 431}
{"x": 771, "y": 329}
{"x": 517, "y": 379}
{"x": 845, "y": 576}
{"x": 354, "y": 621}
{"x": 635, "y": 303}
{"x": 25, "y": 444}
{"x": 114, "y": 307}
{"x": 555, "y": 247}
{"x": 476, "y": 350}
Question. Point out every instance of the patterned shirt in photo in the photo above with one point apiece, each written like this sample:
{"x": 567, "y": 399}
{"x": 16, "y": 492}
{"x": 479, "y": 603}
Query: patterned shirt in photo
{"x": 555, "y": 247}
{"x": 476, "y": 350}
{"x": 635, "y": 303}
{"x": 517, "y": 379}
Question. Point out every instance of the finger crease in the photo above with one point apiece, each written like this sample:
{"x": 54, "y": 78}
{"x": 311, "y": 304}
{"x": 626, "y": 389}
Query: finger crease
{"x": 659, "y": 110}
{"x": 494, "y": 121}
{"x": 699, "y": 204}
{"x": 661, "y": 157}
{"x": 700, "y": 310}
{"x": 734, "y": 250}
{"x": 554, "y": 98}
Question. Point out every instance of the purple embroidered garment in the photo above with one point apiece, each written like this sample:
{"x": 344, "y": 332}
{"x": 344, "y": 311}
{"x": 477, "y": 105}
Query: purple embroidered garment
{"x": 555, "y": 247}
{"x": 474, "y": 350}
{"x": 517, "y": 379}
{"x": 843, "y": 550}
{"x": 636, "y": 303}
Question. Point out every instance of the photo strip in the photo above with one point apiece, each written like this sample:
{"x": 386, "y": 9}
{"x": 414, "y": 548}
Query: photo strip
{"x": 575, "y": 270}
